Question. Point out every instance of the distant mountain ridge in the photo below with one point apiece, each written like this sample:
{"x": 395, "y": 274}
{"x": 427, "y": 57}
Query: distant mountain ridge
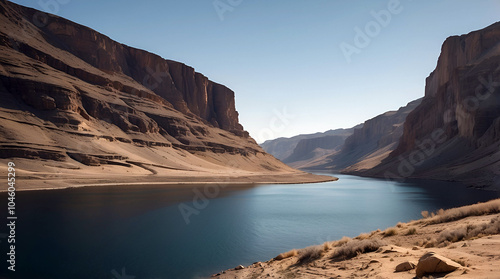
{"x": 305, "y": 148}
{"x": 282, "y": 148}
{"x": 364, "y": 144}
{"x": 369, "y": 145}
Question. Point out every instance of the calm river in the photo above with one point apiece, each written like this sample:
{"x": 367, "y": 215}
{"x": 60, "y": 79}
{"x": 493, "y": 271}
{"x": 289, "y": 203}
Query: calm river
{"x": 140, "y": 233}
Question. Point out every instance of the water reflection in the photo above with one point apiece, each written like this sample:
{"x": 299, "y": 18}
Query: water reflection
{"x": 89, "y": 232}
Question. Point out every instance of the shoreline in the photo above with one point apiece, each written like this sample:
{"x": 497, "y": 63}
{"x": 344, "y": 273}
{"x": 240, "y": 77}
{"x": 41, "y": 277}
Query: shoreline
{"x": 60, "y": 183}
{"x": 469, "y": 182}
{"x": 467, "y": 238}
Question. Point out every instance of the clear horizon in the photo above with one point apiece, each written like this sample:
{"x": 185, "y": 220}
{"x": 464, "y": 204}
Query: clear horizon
{"x": 295, "y": 67}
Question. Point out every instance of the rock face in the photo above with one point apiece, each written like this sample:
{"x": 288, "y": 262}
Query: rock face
{"x": 369, "y": 144}
{"x": 361, "y": 147}
{"x": 454, "y": 132}
{"x": 308, "y": 151}
{"x": 431, "y": 263}
{"x": 72, "y": 95}
{"x": 188, "y": 91}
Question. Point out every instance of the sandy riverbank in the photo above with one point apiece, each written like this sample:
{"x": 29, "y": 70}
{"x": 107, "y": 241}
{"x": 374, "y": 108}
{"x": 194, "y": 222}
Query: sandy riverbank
{"x": 469, "y": 237}
{"x": 48, "y": 176}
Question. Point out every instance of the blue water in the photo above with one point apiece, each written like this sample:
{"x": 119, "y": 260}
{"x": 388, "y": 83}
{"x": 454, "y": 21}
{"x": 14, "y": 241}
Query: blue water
{"x": 120, "y": 232}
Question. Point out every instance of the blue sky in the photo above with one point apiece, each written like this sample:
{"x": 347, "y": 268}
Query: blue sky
{"x": 284, "y": 59}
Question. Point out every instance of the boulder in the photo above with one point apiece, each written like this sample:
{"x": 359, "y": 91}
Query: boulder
{"x": 239, "y": 267}
{"x": 433, "y": 263}
{"x": 405, "y": 266}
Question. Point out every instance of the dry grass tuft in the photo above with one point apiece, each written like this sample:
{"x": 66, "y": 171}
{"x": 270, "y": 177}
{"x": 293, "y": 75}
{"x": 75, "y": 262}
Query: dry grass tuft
{"x": 363, "y": 236}
{"x": 411, "y": 231}
{"x": 443, "y": 216}
{"x": 390, "y": 232}
{"x": 310, "y": 254}
{"x": 449, "y": 236}
{"x": 425, "y": 214}
{"x": 341, "y": 242}
{"x": 286, "y": 255}
{"x": 327, "y": 246}
{"x": 452, "y": 235}
{"x": 354, "y": 247}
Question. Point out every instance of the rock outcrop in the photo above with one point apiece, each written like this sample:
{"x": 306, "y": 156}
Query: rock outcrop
{"x": 454, "y": 132}
{"x": 404, "y": 266}
{"x": 432, "y": 263}
{"x": 78, "y": 99}
{"x": 188, "y": 91}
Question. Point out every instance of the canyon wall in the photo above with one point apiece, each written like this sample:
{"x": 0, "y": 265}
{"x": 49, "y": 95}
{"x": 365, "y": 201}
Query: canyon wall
{"x": 454, "y": 133}
{"x": 75, "y": 103}
{"x": 360, "y": 147}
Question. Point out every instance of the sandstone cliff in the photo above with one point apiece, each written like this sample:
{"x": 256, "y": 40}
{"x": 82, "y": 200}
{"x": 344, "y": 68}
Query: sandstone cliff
{"x": 73, "y": 102}
{"x": 372, "y": 143}
{"x": 361, "y": 147}
{"x": 454, "y": 132}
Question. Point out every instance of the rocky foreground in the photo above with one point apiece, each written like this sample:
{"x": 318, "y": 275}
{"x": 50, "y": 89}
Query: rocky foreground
{"x": 457, "y": 243}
